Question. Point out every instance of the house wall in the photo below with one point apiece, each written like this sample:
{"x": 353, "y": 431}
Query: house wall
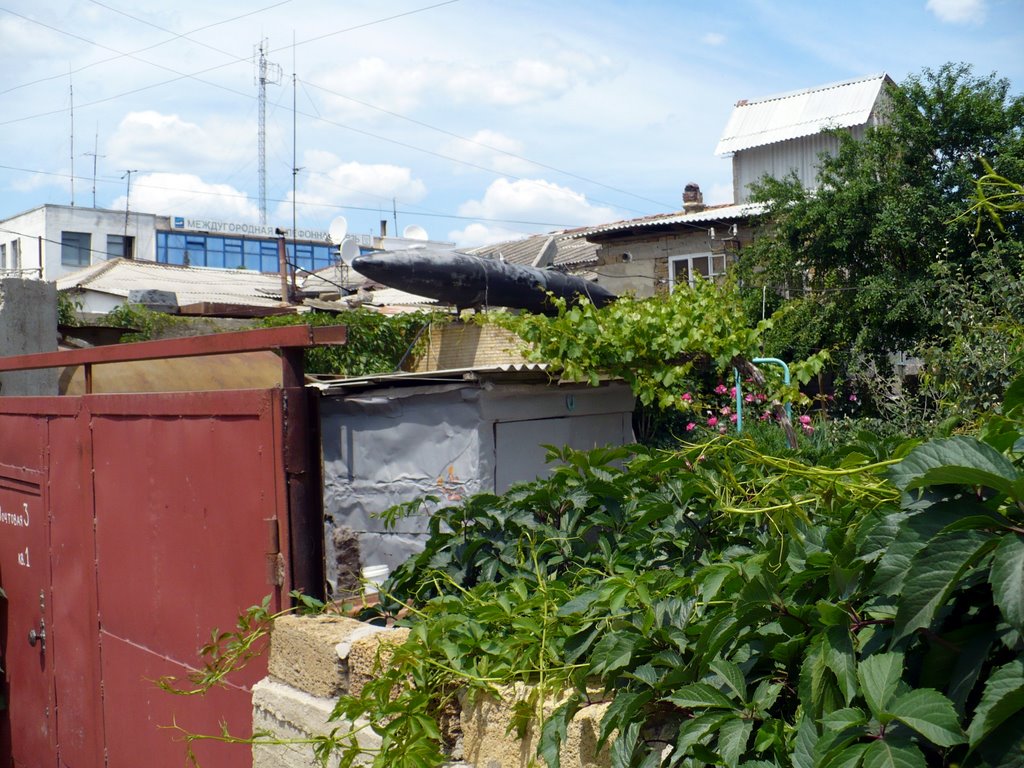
{"x": 99, "y": 224}
{"x": 777, "y": 160}
{"x": 28, "y": 226}
{"x": 39, "y": 236}
{"x": 646, "y": 273}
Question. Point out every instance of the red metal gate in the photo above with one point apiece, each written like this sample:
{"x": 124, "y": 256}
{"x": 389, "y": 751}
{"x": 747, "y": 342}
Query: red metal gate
{"x": 131, "y": 526}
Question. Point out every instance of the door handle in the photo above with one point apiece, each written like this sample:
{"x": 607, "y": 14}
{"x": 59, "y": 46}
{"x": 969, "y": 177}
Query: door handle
{"x": 38, "y": 637}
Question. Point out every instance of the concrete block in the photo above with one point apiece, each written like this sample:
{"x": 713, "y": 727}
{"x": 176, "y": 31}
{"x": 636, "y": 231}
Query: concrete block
{"x": 303, "y": 655}
{"x": 363, "y": 653}
{"x": 28, "y": 324}
{"x": 489, "y": 739}
{"x": 283, "y": 713}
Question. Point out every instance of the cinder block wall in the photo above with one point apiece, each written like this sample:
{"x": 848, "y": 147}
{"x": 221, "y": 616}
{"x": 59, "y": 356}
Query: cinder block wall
{"x": 458, "y": 345}
{"x": 313, "y": 660}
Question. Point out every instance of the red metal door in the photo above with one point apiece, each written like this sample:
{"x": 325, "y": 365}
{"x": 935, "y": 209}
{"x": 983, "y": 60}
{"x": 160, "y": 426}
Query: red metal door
{"x": 132, "y": 527}
{"x": 27, "y": 727}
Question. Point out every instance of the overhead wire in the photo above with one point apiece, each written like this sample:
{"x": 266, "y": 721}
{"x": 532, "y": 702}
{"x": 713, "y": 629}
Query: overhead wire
{"x": 317, "y": 116}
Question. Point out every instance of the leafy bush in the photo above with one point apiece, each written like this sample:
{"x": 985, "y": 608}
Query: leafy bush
{"x": 741, "y": 609}
{"x": 376, "y": 343}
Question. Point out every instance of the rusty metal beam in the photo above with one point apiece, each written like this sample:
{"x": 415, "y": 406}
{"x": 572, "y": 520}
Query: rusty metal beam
{"x": 292, "y": 336}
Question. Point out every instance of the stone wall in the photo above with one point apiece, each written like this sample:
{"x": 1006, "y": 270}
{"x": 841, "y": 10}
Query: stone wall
{"x": 313, "y": 660}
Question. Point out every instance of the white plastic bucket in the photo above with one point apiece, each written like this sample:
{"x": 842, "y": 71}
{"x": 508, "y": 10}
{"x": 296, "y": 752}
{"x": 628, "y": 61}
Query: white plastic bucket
{"x": 373, "y": 577}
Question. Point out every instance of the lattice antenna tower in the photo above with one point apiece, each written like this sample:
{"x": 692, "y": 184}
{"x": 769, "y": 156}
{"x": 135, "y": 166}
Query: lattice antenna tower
{"x": 266, "y": 72}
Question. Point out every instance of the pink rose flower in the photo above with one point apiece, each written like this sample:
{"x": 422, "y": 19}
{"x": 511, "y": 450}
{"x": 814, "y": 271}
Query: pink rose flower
{"x": 720, "y": 389}
{"x": 691, "y": 426}
{"x": 712, "y": 421}
{"x": 687, "y": 397}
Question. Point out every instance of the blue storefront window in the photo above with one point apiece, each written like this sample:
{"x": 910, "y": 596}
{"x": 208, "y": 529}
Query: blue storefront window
{"x": 239, "y": 253}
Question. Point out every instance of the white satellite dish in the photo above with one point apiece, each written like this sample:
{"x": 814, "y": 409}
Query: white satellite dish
{"x": 338, "y": 229}
{"x": 415, "y": 232}
{"x": 349, "y": 250}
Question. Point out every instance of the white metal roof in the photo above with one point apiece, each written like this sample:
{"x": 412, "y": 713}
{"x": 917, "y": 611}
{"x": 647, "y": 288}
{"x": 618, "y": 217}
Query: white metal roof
{"x": 696, "y": 218}
{"x": 190, "y": 284}
{"x": 801, "y": 113}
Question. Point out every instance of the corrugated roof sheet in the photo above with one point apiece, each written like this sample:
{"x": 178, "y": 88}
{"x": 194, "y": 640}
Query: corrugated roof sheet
{"x": 514, "y": 370}
{"x": 709, "y": 215}
{"x": 190, "y": 284}
{"x": 800, "y": 113}
{"x": 572, "y": 251}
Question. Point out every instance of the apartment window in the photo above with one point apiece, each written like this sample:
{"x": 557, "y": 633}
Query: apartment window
{"x": 3, "y": 256}
{"x": 120, "y": 247}
{"x": 686, "y": 269}
{"x": 16, "y": 255}
{"x": 75, "y": 248}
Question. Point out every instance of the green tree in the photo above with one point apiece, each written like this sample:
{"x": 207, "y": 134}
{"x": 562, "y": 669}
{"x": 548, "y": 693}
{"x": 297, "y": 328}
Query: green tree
{"x": 860, "y": 248}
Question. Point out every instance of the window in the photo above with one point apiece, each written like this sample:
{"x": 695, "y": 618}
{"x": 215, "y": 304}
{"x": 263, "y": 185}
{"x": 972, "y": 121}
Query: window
{"x": 120, "y": 247}
{"x": 75, "y": 249}
{"x": 3, "y": 256}
{"x": 688, "y": 268}
{"x": 16, "y": 255}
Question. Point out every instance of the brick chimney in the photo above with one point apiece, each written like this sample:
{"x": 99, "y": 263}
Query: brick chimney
{"x": 693, "y": 199}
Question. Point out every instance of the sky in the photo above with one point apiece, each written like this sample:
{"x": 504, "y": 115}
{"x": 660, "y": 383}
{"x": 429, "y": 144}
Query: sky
{"x": 477, "y": 120}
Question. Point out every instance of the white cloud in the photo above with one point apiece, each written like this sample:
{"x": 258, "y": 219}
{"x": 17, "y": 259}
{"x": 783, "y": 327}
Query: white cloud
{"x": 327, "y": 183}
{"x": 489, "y": 149}
{"x": 713, "y": 38}
{"x": 375, "y": 81}
{"x": 528, "y": 200}
{"x": 958, "y": 11}
{"x": 483, "y": 234}
{"x": 151, "y": 140}
{"x": 525, "y": 80}
{"x": 184, "y": 194}
{"x": 402, "y": 87}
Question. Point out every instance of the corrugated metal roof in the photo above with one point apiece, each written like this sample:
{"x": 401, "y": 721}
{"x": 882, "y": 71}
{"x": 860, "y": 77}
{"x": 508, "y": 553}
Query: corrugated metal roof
{"x": 190, "y": 284}
{"x": 801, "y": 113}
{"x": 697, "y": 218}
{"x": 572, "y": 251}
{"x": 512, "y": 370}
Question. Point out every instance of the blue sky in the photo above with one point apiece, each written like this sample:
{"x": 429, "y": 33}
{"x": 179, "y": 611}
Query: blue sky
{"x": 479, "y": 120}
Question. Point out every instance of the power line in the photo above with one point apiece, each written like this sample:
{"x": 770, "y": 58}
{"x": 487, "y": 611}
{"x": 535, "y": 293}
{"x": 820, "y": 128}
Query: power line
{"x": 332, "y": 206}
{"x": 176, "y": 36}
{"x": 337, "y": 124}
{"x": 483, "y": 145}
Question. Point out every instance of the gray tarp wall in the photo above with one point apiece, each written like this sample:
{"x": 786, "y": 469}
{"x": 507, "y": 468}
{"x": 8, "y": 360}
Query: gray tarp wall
{"x": 394, "y": 444}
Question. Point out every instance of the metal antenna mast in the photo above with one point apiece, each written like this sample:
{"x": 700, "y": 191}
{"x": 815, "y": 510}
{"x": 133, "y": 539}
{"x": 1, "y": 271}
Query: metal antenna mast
{"x": 266, "y": 72}
{"x": 94, "y": 155}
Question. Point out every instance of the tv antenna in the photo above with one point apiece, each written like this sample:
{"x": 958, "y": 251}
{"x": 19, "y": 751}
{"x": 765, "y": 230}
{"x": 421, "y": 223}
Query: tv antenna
{"x": 94, "y": 155}
{"x": 266, "y": 72}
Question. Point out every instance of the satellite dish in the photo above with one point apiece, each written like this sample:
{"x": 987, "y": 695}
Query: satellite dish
{"x": 415, "y": 232}
{"x": 349, "y": 250}
{"x": 338, "y": 229}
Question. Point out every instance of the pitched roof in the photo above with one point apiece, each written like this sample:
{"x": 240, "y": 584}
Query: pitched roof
{"x": 801, "y": 113}
{"x": 572, "y": 251}
{"x": 190, "y": 284}
{"x": 699, "y": 219}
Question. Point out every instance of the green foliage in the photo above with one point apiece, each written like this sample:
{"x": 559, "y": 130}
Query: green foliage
{"x": 978, "y": 347}
{"x": 657, "y": 345}
{"x": 741, "y": 609}
{"x": 376, "y": 343}
{"x": 67, "y": 308}
{"x": 862, "y": 245}
{"x": 144, "y": 324}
